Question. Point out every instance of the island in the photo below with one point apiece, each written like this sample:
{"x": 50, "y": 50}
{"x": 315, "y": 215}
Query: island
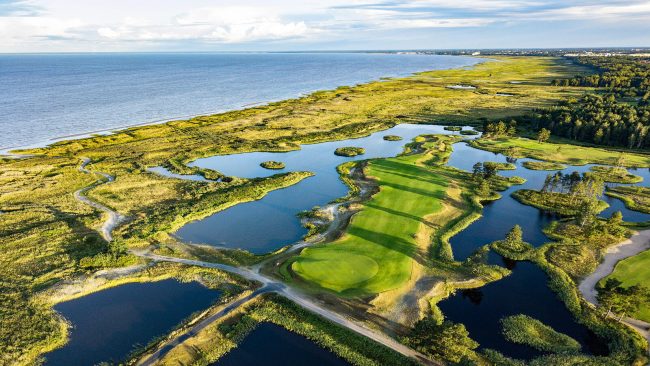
{"x": 271, "y": 164}
{"x": 349, "y": 151}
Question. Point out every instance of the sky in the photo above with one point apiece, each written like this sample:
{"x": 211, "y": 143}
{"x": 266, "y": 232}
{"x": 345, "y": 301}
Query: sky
{"x": 303, "y": 25}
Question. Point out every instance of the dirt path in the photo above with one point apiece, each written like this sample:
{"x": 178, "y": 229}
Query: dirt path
{"x": 636, "y": 244}
{"x": 114, "y": 218}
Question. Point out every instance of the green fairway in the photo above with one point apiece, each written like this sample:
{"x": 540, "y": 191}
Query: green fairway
{"x": 635, "y": 271}
{"x": 378, "y": 250}
{"x": 560, "y": 153}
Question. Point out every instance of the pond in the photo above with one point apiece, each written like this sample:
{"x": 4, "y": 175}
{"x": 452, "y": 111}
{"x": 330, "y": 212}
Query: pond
{"x": 108, "y": 325}
{"x": 271, "y": 345}
{"x": 271, "y": 223}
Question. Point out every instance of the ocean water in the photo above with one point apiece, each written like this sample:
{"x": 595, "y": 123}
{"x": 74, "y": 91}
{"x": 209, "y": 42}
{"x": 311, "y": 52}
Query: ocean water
{"x": 48, "y": 96}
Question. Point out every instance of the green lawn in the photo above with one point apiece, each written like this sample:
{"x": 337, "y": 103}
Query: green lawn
{"x": 377, "y": 251}
{"x": 634, "y": 271}
{"x": 561, "y": 153}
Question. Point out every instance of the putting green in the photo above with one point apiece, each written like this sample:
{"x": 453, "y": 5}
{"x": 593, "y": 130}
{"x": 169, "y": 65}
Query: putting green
{"x": 346, "y": 273}
{"x": 377, "y": 252}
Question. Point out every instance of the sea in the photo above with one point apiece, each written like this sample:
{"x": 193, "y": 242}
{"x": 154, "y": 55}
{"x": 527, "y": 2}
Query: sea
{"x": 49, "y": 97}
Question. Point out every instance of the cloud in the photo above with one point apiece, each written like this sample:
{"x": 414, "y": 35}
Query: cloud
{"x": 224, "y": 24}
{"x": 168, "y": 24}
{"x": 17, "y": 8}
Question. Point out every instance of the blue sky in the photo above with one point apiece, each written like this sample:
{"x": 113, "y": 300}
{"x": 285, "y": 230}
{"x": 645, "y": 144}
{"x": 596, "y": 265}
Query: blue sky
{"x": 265, "y": 25}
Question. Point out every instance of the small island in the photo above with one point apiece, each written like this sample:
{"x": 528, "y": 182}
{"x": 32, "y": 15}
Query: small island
{"x": 469, "y": 132}
{"x": 349, "y": 151}
{"x": 453, "y": 128}
{"x": 615, "y": 175}
{"x": 272, "y": 165}
{"x": 543, "y": 165}
{"x": 392, "y": 138}
{"x": 493, "y": 165}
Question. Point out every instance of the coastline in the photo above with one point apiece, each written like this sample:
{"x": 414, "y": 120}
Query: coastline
{"x": 9, "y": 151}
{"x": 636, "y": 244}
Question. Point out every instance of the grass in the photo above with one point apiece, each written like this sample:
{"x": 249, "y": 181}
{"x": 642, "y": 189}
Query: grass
{"x": 46, "y": 233}
{"x": 559, "y": 152}
{"x": 635, "y": 271}
{"x": 543, "y": 165}
{"x": 377, "y": 251}
{"x": 529, "y": 331}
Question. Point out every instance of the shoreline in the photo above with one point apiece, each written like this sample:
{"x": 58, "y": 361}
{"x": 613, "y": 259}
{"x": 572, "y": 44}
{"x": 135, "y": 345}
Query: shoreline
{"x": 9, "y": 151}
{"x": 637, "y": 243}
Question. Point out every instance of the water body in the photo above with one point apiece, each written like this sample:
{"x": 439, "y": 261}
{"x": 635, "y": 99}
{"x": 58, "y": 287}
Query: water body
{"x": 110, "y": 324}
{"x": 270, "y": 223}
{"x": 272, "y": 345}
{"x": 49, "y": 96}
{"x": 525, "y": 291}
{"x": 501, "y": 215}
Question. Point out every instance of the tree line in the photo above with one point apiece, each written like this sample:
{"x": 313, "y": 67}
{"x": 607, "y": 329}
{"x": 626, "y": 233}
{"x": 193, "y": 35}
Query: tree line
{"x": 596, "y": 119}
{"x": 622, "y": 76}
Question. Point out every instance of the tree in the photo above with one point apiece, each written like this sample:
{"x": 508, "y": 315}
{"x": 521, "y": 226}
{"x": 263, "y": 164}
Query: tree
{"x": 622, "y": 300}
{"x": 446, "y": 340}
{"x": 515, "y": 236}
{"x": 484, "y": 189}
{"x": 543, "y": 135}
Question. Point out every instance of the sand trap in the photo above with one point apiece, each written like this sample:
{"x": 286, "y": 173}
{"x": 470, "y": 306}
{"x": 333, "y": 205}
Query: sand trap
{"x": 515, "y": 82}
{"x": 459, "y": 86}
{"x": 504, "y": 95}
{"x": 636, "y": 244}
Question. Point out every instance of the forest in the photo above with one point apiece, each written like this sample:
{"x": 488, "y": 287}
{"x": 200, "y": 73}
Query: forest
{"x": 619, "y": 116}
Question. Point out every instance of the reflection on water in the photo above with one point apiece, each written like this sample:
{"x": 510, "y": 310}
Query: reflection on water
{"x": 272, "y": 345}
{"x": 270, "y": 223}
{"x": 110, "y": 324}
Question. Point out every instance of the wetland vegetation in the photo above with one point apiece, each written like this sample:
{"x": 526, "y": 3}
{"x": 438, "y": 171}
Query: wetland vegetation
{"x": 393, "y": 266}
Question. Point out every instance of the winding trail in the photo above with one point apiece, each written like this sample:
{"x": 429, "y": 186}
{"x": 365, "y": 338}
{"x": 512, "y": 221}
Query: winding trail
{"x": 253, "y": 274}
{"x": 114, "y": 218}
{"x": 636, "y": 244}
